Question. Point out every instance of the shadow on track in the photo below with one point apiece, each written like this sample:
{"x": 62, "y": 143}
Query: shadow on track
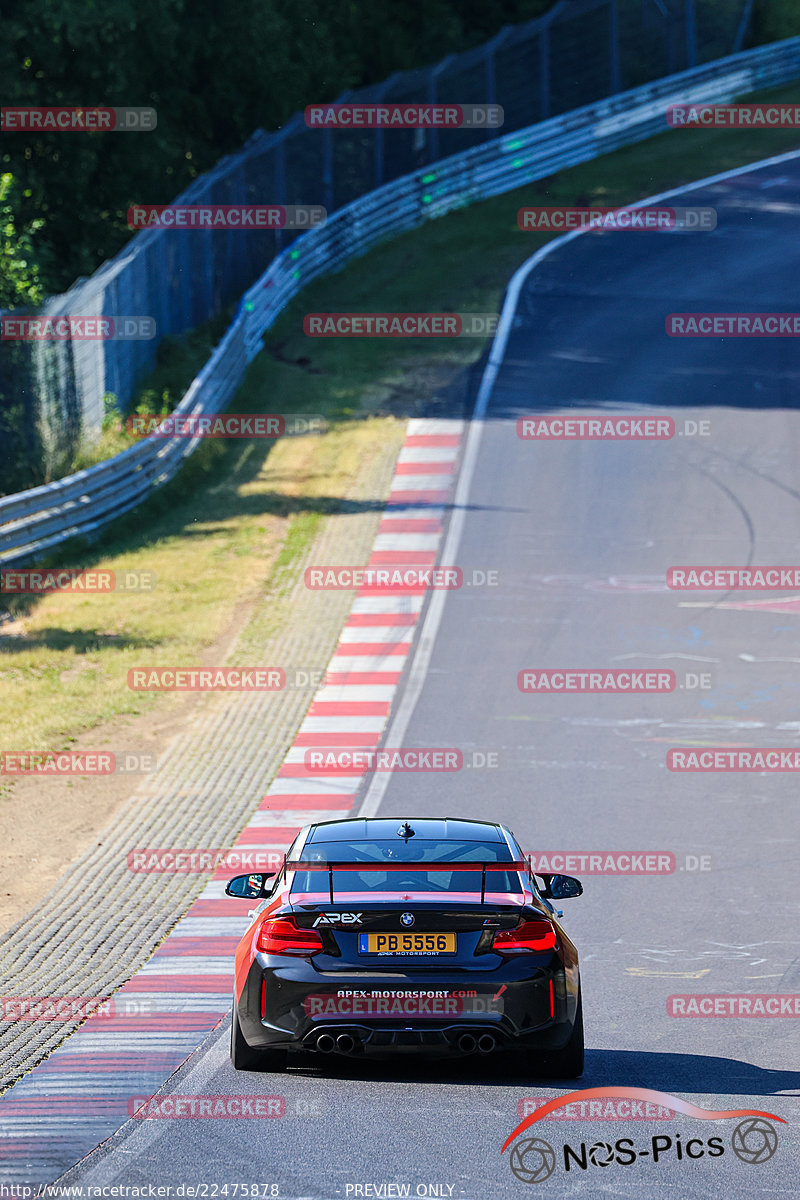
{"x": 678, "y": 1073}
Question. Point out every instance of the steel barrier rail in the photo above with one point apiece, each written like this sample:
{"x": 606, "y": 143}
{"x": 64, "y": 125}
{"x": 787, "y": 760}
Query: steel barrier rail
{"x": 81, "y": 504}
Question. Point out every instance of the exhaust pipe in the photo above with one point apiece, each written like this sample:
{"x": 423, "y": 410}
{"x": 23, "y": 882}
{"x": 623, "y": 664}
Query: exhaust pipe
{"x": 325, "y": 1043}
{"x": 345, "y": 1044}
{"x": 486, "y": 1043}
{"x": 466, "y": 1043}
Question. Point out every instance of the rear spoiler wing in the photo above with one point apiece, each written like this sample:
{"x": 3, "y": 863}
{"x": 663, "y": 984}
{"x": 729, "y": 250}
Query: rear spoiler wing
{"x": 298, "y": 864}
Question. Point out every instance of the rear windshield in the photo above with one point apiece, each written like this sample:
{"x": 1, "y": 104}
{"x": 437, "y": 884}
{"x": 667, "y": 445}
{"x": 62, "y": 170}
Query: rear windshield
{"x": 413, "y": 880}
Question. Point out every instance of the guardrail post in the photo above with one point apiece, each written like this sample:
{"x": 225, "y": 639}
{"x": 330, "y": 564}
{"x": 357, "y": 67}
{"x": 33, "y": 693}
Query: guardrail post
{"x": 280, "y": 181}
{"x": 328, "y": 194}
{"x": 744, "y": 25}
{"x": 378, "y": 134}
{"x": 433, "y": 97}
{"x": 613, "y": 14}
{"x": 491, "y": 73}
{"x": 544, "y": 71}
{"x": 691, "y": 33}
{"x": 327, "y": 170}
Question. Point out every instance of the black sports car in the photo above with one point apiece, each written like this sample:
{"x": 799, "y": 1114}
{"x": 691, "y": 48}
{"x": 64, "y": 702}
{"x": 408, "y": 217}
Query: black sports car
{"x": 387, "y": 936}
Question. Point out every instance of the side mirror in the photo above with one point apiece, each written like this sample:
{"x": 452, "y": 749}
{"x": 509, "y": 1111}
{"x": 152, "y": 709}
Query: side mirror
{"x": 561, "y": 887}
{"x": 249, "y": 887}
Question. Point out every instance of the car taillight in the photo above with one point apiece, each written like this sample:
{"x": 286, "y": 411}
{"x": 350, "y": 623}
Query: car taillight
{"x": 528, "y": 938}
{"x": 281, "y": 935}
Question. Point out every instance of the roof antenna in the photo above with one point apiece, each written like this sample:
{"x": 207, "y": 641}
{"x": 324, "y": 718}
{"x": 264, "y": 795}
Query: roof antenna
{"x": 405, "y": 831}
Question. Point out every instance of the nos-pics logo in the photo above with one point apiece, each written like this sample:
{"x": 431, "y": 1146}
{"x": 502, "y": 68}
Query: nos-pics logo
{"x": 754, "y": 1139}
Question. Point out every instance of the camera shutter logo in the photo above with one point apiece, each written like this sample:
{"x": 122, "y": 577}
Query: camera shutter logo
{"x": 754, "y": 1140}
{"x": 533, "y": 1160}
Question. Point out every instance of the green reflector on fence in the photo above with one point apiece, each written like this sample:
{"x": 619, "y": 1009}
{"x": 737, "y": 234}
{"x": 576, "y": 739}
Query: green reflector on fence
{"x": 428, "y": 178}
{"x": 515, "y": 145}
{"x": 517, "y": 162}
{"x": 248, "y": 306}
{"x": 426, "y": 199}
{"x": 293, "y": 253}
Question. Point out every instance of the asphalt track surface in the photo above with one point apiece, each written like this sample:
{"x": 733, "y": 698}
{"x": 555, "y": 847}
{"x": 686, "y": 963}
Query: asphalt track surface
{"x": 581, "y": 534}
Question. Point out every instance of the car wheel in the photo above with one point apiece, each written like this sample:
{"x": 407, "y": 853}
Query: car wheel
{"x": 245, "y": 1058}
{"x": 568, "y": 1063}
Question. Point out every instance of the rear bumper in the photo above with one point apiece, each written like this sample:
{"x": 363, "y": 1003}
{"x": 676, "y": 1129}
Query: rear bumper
{"x": 446, "y": 1041}
{"x": 528, "y": 1005}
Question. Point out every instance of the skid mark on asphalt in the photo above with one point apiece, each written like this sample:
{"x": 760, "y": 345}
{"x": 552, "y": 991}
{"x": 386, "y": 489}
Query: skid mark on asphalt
{"x": 671, "y": 974}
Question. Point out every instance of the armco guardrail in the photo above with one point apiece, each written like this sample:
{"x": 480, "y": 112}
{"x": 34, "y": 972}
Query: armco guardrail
{"x": 34, "y": 521}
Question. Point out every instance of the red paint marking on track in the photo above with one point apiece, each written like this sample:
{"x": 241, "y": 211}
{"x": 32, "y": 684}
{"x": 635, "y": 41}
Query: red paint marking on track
{"x": 273, "y": 833}
{"x": 307, "y": 800}
{"x": 411, "y": 499}
{"x": 49, "y": 1106}
{"x": 227, "y": 906}
{"x": 210, "y": 984}
{"x": 350, "y": 708}
{"x": 163, "y": 1022}
{"x": 111, "y": 1062}
{"x": 337, "y": 739}
{"x": 214, "y": 947}
{"x": 391, "y": 524}
{"x": 426, "y": 468}
{"x": 372, "y": 649}
{"x": 403, "y": 558}
{"x": 388, "y": 620}
{"x": 259, "y": 835}
{"x": 433, "y": 439}
{"x": 301, "y": 771}
{"x": 354, "y": 678}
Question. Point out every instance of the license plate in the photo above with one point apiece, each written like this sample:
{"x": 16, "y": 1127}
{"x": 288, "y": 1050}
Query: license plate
{"x": 407, "y": 943}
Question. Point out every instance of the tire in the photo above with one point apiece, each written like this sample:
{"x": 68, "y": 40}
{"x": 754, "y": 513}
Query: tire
{"x": 245, "y": 1058}
{"x": 568, "y": 1063}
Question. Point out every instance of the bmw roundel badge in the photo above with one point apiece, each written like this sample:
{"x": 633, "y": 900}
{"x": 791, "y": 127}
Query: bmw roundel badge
{"x": 407, "y": 919}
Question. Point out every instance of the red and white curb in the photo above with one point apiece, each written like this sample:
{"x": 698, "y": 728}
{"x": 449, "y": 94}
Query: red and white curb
{"x": 79, "y": 1095}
